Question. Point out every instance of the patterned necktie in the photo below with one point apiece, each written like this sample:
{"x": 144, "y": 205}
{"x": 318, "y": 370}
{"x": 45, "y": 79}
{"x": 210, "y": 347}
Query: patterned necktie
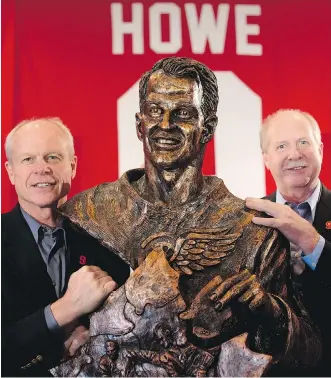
{"x": 304, "y": 210}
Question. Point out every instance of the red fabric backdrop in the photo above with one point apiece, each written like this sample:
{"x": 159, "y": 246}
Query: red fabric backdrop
{"x": 58, "y": 59}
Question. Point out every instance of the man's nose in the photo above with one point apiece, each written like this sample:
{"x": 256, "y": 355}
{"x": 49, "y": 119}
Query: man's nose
{"x": 166, "y": 121}
{"x": 294, "y": 153}
{"x": 42, "y": 168}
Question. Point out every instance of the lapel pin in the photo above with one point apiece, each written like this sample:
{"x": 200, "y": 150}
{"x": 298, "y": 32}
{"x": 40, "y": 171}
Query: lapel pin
{"x": 82, "y": 260}
{"x": 328, "y": 225}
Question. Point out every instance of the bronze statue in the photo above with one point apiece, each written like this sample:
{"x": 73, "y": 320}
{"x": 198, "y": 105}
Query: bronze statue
{"x": 211, "y": 293}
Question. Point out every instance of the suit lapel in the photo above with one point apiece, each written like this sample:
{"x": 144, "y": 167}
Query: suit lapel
{"x": 323, "y": 214}
{"x": 79, "y": 253}
{"x": 271, "y": 197}
{"x": 23, "y": 256}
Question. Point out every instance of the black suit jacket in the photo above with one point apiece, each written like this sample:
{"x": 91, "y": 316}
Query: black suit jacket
{"x": 28, "y": 347}
{"x": 316, "y": 285}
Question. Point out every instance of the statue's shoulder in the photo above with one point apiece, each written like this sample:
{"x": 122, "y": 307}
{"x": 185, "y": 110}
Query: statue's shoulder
{"x": 95, "y": 194}
{"x": 233, "y": 210}
{"x": 223, "y": 196}
{"x": 102, "y": 202}
{"x": 91, "y": 204}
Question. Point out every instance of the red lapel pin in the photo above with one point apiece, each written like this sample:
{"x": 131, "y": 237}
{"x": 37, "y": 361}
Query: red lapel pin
{"x": 82, "y": 260}
{"x": 328, "y": 225}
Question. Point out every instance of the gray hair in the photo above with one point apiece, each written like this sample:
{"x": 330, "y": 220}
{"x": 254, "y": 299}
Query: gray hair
{"x": 55, "y": 120}
{"x": 268, "y": 120}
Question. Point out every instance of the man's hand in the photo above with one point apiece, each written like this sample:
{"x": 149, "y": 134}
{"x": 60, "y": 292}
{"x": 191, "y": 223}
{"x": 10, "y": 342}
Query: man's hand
{"x": 76, "y": 339}
{"x": 245, "y": 288}
{"x": 296, "y": 229}
{"x": 87, "y": 289}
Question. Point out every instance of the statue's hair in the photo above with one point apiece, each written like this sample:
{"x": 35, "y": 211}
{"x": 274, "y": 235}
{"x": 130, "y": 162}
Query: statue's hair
{"x": 55, "y": 120}
{"x": 268, "y": 121}
{"x": 186, "y": 68}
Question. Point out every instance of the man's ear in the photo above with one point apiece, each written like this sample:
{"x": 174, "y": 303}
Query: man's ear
{"x": 10, "y": 172}
{"x": 209, "y": 127}
{"x": 73, "y": 167}
{"x": 266, "y": 160}
{"x": 321, "y": 149}
{"x": 139, "y": 126}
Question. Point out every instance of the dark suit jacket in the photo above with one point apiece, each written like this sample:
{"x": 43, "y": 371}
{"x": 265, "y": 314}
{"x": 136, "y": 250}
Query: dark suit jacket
{"x": 28, "y": 347}
{"x": 316, "y": 285}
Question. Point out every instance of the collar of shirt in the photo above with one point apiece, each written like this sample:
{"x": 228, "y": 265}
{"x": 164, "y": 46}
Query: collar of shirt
{"x": 34, "y": 226}
{"x": 312, "y": 200}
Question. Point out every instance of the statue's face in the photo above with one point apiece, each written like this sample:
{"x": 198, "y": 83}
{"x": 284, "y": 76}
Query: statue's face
{"x": 171, "y": 123}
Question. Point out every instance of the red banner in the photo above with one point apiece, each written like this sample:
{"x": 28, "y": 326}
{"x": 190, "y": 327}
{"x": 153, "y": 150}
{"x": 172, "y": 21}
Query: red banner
{"x": 81, "y": 60}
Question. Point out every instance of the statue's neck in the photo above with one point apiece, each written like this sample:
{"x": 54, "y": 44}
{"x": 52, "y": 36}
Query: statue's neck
{"x": 172, "y": 187}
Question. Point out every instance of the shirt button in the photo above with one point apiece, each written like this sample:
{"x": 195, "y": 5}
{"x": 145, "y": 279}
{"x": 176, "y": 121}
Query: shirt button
{"x": 54, "y": 283}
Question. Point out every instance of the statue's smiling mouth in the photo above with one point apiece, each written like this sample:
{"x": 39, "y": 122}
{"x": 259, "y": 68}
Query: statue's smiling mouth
{"x": 167, "y": 142}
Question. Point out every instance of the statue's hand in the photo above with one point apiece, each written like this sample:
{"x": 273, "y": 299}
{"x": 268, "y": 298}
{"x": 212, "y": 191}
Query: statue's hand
{"x": 171, "y": 361}
{"x": 245, "y": 288}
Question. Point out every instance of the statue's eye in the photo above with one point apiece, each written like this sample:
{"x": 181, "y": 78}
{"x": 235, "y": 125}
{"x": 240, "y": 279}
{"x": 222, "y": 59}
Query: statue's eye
{"x": 155, "y": 111}
{"x": 183, "y": 114}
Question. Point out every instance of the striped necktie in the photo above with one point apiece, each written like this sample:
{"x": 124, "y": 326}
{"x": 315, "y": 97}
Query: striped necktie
{"x": 304, "y": 210}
